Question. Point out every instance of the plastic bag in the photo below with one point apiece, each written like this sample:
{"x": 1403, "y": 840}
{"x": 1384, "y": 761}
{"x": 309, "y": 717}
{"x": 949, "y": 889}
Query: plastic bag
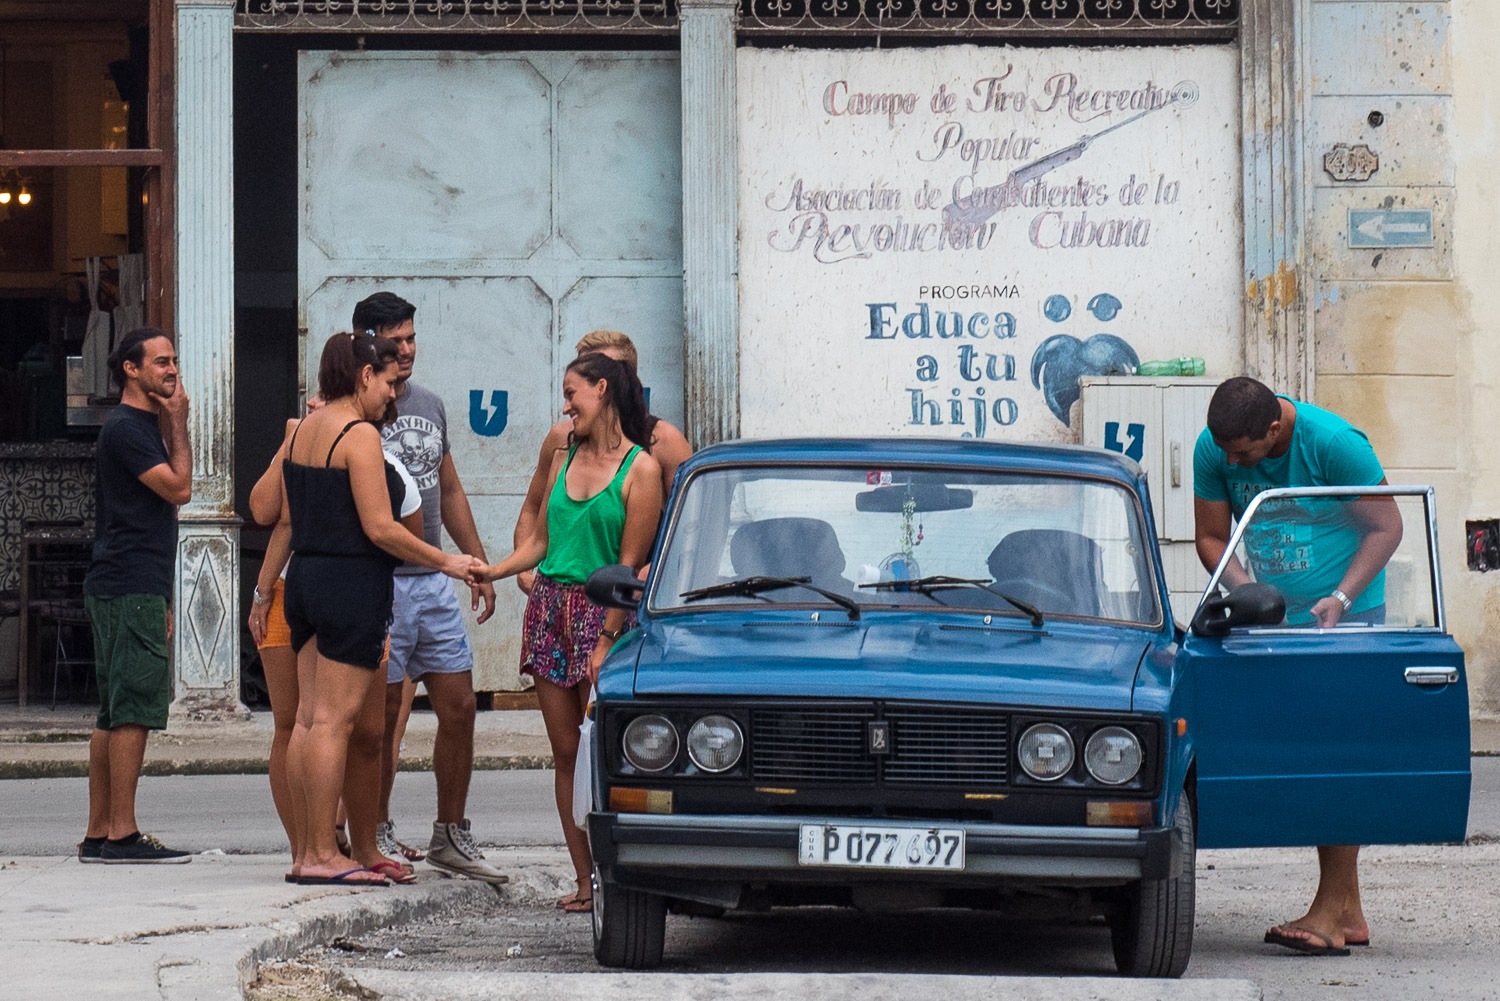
{"x": 583, "y": 770}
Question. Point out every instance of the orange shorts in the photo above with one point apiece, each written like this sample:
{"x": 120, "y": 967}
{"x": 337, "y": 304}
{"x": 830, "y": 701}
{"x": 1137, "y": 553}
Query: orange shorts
{"x": 278, "y": 633}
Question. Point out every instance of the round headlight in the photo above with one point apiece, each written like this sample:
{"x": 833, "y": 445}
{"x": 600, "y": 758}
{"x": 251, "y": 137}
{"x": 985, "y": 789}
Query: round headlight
{"x": 715, "y": 743}
{"x": 650, "y": 743}
{"x": 1112, "y": 755}
{"x": 1046, "y": 751}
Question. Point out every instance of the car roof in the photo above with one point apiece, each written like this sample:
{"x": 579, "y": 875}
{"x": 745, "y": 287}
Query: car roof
{"x": 999, "y": 455}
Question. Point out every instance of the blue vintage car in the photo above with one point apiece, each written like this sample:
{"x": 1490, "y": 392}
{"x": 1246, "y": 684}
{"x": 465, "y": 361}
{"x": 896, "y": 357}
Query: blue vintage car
{"x": 914, "y": 673}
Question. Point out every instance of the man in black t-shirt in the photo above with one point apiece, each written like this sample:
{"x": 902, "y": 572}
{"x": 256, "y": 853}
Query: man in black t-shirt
{"x": 145, "y": 472}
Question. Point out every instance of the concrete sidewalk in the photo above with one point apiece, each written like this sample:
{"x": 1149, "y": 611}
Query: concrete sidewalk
{"x": 199, "y": 932}
{"x": 41, "y": 743}
{"x": 36, "y": 742}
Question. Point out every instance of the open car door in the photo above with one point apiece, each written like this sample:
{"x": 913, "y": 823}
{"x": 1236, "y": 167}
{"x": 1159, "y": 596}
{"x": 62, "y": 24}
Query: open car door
{"x": 1355, "y": 734}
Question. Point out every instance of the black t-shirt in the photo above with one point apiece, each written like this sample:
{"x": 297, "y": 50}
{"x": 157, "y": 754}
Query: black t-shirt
{"x": 135, "y": 529}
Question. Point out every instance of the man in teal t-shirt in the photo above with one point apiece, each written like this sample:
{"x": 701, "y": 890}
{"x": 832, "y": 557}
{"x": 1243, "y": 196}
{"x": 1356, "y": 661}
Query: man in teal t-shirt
{"x": 1326, "y": 555}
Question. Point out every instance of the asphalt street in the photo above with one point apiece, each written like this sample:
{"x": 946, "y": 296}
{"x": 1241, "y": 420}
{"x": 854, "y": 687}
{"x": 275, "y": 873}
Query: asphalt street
{"x": 234, "y": 812}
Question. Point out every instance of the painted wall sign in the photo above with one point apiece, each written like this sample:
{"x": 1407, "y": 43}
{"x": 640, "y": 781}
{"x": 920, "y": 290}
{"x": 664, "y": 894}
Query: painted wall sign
{"x": 942, "y": 241}
{"x": 1376, "y": 228}
{"x": 491, "y": 421}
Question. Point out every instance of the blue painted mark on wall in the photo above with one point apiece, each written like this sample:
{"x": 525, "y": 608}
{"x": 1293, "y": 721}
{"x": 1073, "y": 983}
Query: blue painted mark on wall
{"x": 1135, "y": 432}
{"x": 1057, "y": 308}
{"x": 489, "y": 422}
{"x": 1062, "y": 360}
{"x": 1105, "y": 307}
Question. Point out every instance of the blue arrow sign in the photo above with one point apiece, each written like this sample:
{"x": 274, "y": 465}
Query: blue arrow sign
{"x": 1376, "y": 228}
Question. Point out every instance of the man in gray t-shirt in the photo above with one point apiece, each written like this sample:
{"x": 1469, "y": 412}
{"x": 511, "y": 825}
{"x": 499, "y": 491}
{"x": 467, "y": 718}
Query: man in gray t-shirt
{"x": 428, "y": 640}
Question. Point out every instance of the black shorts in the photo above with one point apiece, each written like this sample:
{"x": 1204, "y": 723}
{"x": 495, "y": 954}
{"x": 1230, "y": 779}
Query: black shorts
{"x": 344, "y": 601}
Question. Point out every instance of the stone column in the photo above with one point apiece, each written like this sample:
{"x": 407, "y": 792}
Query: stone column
{"x": 206, "y": 644}
{"x": 710, "y": 220}
{"x": 1274, "y": 80}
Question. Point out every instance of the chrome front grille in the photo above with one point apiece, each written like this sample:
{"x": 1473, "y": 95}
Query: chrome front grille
{"x": 946, "y": 745}
{"x": 930, "y": 745}
{"x": 811, "y": 745}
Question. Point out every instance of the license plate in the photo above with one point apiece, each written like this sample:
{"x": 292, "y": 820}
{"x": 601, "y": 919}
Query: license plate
{"x": 881, "y": 847}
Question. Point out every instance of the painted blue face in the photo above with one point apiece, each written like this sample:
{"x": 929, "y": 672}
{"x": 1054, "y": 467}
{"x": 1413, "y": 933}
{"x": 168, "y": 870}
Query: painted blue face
{"x": 1062, "y": 359}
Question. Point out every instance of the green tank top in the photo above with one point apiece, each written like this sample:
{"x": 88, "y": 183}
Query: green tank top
{"x": 583, "y": 536}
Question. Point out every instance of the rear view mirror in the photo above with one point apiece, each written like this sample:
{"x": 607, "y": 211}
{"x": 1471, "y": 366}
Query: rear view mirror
{"x": 1247, "y": 605}
{"x": 926, "y": 497}
{"x": 614, "y": 586}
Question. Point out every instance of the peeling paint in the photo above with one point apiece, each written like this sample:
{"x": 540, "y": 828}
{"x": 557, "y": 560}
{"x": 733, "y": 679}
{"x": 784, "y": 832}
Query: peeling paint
{"x": 1275, "y": 291}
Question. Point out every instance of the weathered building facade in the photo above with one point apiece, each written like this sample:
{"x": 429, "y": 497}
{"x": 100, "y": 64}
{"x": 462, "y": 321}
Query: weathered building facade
{"x": 901, "y": 217}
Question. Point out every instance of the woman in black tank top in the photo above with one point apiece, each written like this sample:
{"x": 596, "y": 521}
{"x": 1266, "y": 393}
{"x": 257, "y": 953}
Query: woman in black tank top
{"x": 343, "y": 498}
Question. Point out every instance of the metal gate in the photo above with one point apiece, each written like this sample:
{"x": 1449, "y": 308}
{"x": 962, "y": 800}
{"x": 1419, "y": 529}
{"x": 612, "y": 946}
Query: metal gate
{"x": 520, "y": 200}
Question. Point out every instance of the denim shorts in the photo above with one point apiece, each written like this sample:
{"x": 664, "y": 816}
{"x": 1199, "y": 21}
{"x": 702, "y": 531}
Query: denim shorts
{"x": 427, "y": 629}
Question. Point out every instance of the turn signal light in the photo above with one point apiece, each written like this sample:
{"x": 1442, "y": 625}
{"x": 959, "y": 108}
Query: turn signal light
{"x": 640, "y": 800}
{"x": 1133, "y": 813}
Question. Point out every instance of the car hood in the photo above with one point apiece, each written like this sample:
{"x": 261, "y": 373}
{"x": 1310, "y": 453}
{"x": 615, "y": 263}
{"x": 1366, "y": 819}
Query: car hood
{"x": 1062, "y": 665}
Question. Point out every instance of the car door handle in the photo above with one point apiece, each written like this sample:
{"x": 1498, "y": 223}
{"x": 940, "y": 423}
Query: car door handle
{"x": 1431, "y": 675}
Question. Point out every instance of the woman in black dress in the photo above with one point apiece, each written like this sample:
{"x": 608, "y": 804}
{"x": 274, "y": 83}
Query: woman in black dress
{"x": 344, "y": 500}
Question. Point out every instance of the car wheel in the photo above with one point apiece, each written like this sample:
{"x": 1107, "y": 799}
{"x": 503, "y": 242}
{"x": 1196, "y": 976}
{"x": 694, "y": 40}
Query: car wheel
{"x": 629, "y": 926}
{"x": 1152, "y": 932}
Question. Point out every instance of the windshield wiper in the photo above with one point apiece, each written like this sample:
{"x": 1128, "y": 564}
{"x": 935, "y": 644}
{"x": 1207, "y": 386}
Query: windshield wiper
{"x": 757, "y": 584}
{"x": 942, "y": 582}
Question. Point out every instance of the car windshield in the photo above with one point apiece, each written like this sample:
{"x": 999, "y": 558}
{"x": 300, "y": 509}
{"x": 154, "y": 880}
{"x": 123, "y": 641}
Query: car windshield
{"x": 1024, "y": 545}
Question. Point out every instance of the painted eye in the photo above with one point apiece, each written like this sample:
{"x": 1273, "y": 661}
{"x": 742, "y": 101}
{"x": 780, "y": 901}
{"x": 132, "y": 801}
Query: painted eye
{"x": 1105, "y": 307}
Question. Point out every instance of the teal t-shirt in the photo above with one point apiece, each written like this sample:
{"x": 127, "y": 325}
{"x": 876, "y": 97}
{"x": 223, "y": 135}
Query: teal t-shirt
{"x": 1301, "y": 546}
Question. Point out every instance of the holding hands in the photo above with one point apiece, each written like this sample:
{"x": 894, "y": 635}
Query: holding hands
{"x": 463, "y": 567}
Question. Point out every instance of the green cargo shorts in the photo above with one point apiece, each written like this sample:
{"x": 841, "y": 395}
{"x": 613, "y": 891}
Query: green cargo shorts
{"x": 130, "y": 659}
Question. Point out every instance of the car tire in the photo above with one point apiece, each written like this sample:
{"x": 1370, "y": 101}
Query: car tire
{"x": 630, "y": 927}
{"x": 1152, "y": 932}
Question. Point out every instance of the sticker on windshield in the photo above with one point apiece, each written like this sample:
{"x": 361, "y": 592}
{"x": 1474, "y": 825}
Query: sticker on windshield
{"x": 879, "y": 478}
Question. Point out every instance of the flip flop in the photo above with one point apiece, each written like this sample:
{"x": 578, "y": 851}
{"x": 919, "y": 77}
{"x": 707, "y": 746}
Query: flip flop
{"x": 409, "y": 853}
{"x": 342, "y": 879}
{"x": 578, "y": 905}
{"x": 1304, "y": 946}
{"x": 1357, "y": 945}
{"x": 290, "y": 878}
{"x": 398, "y": 874}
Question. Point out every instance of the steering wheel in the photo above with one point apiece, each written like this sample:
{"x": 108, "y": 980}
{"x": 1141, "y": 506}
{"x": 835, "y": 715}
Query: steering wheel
{"x": 1044, "y": 596}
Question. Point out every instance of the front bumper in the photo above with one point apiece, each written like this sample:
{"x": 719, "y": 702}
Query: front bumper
{"x": 653, "y": 851}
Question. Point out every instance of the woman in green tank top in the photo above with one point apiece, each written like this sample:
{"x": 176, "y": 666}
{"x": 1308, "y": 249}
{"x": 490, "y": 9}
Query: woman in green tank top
{"x": 602, "y": 508}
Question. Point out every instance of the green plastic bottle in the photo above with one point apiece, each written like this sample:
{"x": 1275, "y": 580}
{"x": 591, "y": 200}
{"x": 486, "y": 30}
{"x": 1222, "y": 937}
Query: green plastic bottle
{"x": 1173, "y": 366}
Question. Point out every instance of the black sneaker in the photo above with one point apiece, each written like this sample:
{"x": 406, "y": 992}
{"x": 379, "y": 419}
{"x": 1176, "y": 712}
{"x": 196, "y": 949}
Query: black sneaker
{"x": 139, "y": 848}
{"x": 88, "y": 849}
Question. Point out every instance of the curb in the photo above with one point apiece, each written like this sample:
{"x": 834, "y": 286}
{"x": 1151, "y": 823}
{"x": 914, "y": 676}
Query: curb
{"x": 355, "y": 916}
{"x": 247, "y": 766}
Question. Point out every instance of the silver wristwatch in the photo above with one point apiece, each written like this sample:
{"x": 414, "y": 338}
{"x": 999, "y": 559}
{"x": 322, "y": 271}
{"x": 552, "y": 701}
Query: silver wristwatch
{"x": 1343, "y": 599}
{"x": 261, "y": 599}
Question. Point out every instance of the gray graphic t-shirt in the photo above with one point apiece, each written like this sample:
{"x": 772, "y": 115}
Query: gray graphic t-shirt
{"x": 419, "y": 438}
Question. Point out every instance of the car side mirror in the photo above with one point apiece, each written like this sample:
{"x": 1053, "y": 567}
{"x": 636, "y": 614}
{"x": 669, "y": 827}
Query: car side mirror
{"x": 1247, "y": 605}
{"x": 615, "y": 586}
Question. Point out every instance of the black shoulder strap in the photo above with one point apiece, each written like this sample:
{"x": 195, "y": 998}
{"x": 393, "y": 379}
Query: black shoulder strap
{"x": 336, "y": 441}
{"x": 293, "y": 443}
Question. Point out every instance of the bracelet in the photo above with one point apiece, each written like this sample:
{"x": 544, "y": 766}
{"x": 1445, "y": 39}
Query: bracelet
{"x": 259, "y": 598}
{"x": 1343, "y": 599}
{"x": 613, "y": 634}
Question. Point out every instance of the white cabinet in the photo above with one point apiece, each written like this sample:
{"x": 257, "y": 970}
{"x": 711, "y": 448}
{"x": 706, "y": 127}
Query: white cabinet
{"x": 1156, "y": 422}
